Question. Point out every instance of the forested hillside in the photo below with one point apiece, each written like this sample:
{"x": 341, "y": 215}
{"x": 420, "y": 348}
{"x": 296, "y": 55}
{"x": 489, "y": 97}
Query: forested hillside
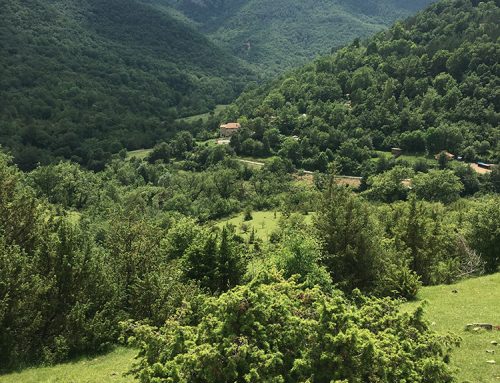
{"x": 278, "y": 35}
{"x": 224, "y": 260}
{"x": 81, "y": 79}
{"x": 426, "y": 85}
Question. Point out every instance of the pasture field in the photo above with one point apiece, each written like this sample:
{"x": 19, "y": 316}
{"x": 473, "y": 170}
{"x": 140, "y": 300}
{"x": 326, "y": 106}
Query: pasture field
{"x": 450, "y": 308}
{"x": 109, "y": 368}
{"x": 263, "y": 222}
{"x": 140, "y": 153}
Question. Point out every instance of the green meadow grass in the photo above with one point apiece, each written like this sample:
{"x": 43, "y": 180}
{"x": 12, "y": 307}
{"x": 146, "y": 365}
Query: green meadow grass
{"x": 263, "y": 222}
{"x": 477, "y": 300}
{"x": 411, "y": 159}
{"x": 140, "y": 153}
{"x": 109, "y": 368}
{"x": 204, "y": 116}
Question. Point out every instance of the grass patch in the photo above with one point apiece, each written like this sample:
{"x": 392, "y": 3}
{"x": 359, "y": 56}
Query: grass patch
{"x": 262, "y": 160}
{"x": 107, "y": 368}
{"x": 410, "y": 159}
{"x": 477, "y": 301}
{"x": 207, "y": 143}
{"x": 263, "y": 222}
{"x": 413, "y": 159}
{"x": 204, "y": 116}
{"x": 140, "y": 153}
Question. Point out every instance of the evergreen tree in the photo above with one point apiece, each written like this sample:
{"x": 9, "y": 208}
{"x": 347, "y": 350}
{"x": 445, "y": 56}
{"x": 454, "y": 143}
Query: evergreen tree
{"x": 200, "y": 261}
{"x": 349, "y": 236}
{"x": 281, "y": 331}
{"x": 228, "y": 263}
{"x": 485, "y": 233}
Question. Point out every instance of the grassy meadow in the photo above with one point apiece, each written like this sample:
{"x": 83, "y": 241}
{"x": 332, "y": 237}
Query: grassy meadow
{"x": 139, "y": 154}
{"x": 263, "y": 222}
{"x": 475, "y": 300}
{"x": 109, "y": 368}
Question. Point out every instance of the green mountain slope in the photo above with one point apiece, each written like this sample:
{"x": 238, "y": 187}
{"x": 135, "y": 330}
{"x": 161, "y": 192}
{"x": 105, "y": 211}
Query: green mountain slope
{"x": 81, "y": 79}
{"x": 276, "y": 35}
{"x": 428, "y": 84}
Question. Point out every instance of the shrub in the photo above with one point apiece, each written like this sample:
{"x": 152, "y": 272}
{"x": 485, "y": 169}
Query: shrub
{"x": 437, "y": 186}
{"x": 247, "y": 215}
{"x": 283, "y": 332}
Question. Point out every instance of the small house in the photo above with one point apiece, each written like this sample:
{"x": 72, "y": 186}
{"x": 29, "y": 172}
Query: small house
{"x": 396, "y": 152}
{"x": 227, "y": 130}
{"x": 484, "y": 165}
{"x": 448, "y": 155}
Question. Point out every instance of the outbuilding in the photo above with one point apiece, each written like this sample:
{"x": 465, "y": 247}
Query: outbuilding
{"x": 227, "y": 130}
{"x": 448, "y": 155}
{"x": 396, "y": 152}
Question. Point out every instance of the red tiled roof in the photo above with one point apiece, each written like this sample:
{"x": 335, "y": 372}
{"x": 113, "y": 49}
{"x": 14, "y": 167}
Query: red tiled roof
{"x": 231, "y": 125}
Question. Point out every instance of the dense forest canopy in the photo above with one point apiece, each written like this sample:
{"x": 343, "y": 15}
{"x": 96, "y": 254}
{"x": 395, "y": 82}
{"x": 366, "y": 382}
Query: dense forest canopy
{"x": 277, "y": 35}
{"x": 426, "y": 85}
{"x": 82, "y": 79}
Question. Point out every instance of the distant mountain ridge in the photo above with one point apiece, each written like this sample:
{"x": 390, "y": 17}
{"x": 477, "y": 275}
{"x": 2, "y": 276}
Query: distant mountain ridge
{"x": 280, "y": 34}
{"x": 84, "y": 79}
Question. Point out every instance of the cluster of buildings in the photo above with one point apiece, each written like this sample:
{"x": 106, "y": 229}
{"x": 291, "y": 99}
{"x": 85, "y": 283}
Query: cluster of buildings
{"x": 230, "y": 128}
{"x": 396, "y": 152}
